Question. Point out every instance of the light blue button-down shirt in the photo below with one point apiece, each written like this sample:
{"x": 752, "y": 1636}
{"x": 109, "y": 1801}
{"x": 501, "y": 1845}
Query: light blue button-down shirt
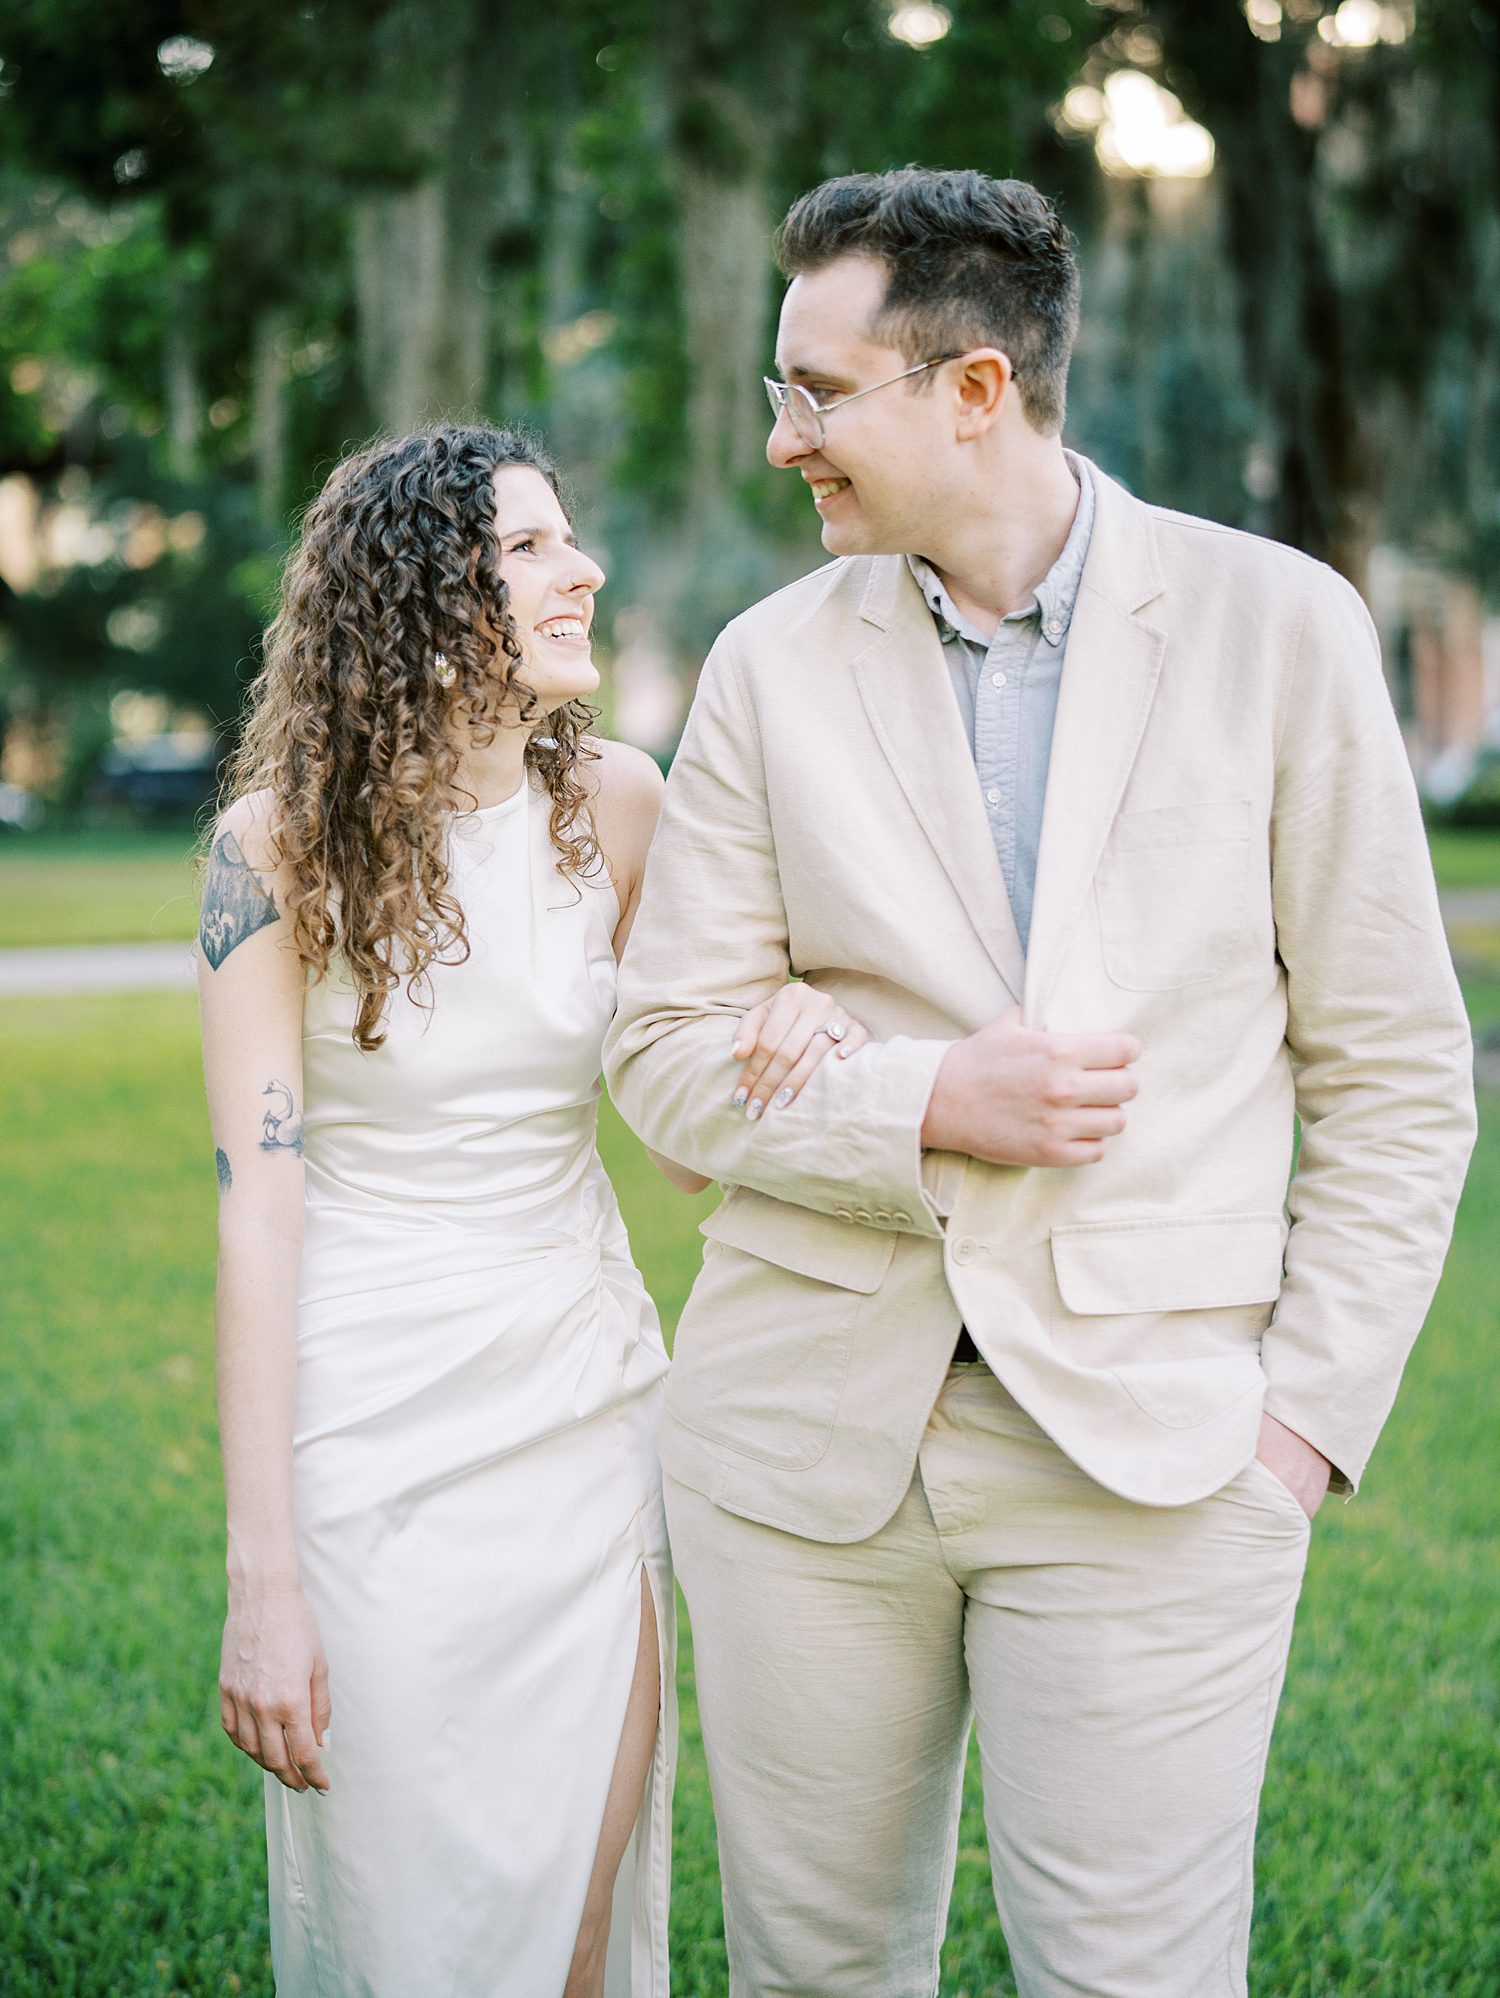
{"x": 1007, "y": 689}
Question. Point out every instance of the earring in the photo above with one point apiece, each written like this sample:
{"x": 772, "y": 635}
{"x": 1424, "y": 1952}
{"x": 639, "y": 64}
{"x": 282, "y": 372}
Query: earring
{"x": 442, "y": 672}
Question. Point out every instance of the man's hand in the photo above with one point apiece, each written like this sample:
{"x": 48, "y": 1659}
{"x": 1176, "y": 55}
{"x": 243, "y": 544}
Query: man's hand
{"x": 1016, "y": 1097}
{"x": 1294, "y": 1463}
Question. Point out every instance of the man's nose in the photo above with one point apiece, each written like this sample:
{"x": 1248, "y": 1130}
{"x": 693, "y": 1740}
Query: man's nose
{"x": 784, "y": 447}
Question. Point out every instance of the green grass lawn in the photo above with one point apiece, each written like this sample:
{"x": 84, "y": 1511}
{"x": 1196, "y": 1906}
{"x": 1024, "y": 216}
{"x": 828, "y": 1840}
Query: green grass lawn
{"x": 130, "y": 887}
{"x": 97, "y": 888}
{"x": 131, "y": 1857}
{"x": 1465, "y": 859}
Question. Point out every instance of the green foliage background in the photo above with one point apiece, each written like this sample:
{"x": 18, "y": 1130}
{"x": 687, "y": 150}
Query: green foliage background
{"x": 236, "y": 238}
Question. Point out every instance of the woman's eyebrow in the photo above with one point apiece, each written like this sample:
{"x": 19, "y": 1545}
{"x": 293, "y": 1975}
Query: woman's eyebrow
{"x": 570, "y": 539}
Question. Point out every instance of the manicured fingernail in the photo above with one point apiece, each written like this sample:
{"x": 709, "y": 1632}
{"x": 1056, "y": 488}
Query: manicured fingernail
{"x": 844, "y": 1053}
{"x": 737, "y": 1101}
{"x": 783, "y": 1097}
{"x": 734, "y": 1053}
{"x": 756, "y": 1106}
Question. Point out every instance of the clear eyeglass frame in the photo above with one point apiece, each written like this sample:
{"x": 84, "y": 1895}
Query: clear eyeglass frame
{"x": 807, "y": 415}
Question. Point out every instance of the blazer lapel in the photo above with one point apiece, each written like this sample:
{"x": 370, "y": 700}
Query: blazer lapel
{"x": 1109, "y": 676}
{"x": 903, "y": 682}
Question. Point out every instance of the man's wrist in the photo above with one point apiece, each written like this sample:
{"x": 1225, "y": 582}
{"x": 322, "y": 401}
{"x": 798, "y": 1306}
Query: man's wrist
{"x": 937, "y": 1132}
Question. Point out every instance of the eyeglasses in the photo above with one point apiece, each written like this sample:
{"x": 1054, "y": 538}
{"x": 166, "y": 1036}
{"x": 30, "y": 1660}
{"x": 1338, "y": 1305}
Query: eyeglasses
{"x": 806, "y": 414}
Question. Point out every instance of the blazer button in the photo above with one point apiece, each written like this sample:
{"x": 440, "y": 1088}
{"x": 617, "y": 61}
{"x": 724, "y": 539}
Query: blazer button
{"x": 882, "y": 1218}
{"x": 963, "y": 1249}
{"x": 863, "y": 1214}
{"x": 843, "y": 1214}
{"x": 901, "y": 1218}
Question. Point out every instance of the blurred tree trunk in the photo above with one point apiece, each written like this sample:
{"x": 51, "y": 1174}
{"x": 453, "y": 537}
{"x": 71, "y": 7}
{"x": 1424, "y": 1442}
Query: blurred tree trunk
{"x": 183, "y": 388}
{"x": 409, "y": 296}
{"x": 725, "y": 223}
{"x": 419, "y": 262}
{"x": 731, "y": 79}
{"x": 1128, "y": 205}
{"x": 1265, "y": 103}
{"x": 564, "y": 236}
{"x": 549, "y": 229}
{"x": 422, "y": 252}
{"x": 270, "y": 343}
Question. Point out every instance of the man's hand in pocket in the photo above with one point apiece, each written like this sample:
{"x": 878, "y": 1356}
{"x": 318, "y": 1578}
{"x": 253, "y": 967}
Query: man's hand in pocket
{"x": 1302, "y": 1469}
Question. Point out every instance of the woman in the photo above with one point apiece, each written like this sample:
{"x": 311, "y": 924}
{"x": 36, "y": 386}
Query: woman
{"x": 439, "y": 1371}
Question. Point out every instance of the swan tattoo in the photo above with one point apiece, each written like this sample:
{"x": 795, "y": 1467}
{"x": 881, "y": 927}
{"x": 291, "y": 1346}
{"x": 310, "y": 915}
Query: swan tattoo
{"x": 281, "y": 1127}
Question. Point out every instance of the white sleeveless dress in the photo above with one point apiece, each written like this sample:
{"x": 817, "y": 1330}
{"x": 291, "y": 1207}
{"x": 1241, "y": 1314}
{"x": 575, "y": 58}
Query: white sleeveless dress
{"x": 475, "y": 1485}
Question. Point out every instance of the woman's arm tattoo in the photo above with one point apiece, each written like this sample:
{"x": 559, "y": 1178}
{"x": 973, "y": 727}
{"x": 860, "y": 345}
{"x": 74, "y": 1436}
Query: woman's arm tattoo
{"x": 281, "y": 1127}
{"x": 221, "y": 1166}
{"x": 235, "y": 905}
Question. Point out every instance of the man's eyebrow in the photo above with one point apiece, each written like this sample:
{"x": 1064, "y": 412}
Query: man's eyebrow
{"x": 797, "y": 373}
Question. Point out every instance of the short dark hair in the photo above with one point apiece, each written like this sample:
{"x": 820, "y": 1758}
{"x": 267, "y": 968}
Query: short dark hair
{"x": 973, "y": 262}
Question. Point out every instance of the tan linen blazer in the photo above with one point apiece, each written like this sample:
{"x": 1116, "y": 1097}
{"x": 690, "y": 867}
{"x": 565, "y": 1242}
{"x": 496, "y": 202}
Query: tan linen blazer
{"x": 1232, "y": 867}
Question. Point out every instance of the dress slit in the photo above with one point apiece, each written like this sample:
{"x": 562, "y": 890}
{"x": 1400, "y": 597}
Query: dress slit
{"x": 636, "y": 1963}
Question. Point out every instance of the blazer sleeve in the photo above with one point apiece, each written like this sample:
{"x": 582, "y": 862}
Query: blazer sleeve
{"x": 1378, "y": 1038}
{"x": 709, "y": 941}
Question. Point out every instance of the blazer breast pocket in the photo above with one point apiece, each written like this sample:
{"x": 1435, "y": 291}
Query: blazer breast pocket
{"x": 1170, "y": 891}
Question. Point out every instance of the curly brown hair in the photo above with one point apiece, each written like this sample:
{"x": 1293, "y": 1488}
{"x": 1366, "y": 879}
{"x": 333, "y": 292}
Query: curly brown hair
{"x": 349, "y": 730}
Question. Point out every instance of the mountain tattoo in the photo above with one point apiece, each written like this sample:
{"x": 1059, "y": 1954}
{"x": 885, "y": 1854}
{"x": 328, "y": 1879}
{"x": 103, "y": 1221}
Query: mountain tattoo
{"x": 235, "y": 905}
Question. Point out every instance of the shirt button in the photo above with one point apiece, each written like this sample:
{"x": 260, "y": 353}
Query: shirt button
{"x": 992, "y": 797}
{"x": 1054, "y": 626}
{"x": 963, "y": 1250}
{"x": 997, "y": 679}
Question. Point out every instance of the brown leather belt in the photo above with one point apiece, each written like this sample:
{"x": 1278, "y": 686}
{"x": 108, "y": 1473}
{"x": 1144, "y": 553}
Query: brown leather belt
{"x": 966, "y": 1353}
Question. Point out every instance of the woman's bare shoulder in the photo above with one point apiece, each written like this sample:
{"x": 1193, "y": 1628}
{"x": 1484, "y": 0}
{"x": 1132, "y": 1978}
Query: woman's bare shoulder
{"x": 625, "y": 793}
{"x": 245, "y": 832}
{"x": 623, "y": 777}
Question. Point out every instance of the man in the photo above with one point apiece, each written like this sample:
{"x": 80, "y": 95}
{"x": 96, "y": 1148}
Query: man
{"x": 1013, "y": 1375}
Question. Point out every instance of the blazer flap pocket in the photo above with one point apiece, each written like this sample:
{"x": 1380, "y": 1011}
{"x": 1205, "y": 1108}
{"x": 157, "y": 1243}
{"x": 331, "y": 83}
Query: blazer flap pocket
{"x": 1190, "y": 1263}
{"x": 845, "y": 1253}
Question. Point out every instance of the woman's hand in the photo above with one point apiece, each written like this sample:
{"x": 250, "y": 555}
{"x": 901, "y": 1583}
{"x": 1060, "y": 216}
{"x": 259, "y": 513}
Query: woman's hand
{"x": 781, "y": 1042}
{"x": 273, "y": 1683}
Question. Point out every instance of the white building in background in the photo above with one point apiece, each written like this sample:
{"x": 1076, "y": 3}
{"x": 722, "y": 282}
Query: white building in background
{"x": 1442, "y": 659}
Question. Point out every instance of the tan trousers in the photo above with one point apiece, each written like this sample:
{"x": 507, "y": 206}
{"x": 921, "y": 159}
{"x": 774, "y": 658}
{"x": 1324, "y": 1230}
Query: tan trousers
{"x": 1123, "y": 1664}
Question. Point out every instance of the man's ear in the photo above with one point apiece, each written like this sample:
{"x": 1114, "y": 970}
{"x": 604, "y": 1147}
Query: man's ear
{"x": 985, "y": 375}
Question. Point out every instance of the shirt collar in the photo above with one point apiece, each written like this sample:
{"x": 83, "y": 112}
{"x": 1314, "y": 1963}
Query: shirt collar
{"x": 1056, "y": 594}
